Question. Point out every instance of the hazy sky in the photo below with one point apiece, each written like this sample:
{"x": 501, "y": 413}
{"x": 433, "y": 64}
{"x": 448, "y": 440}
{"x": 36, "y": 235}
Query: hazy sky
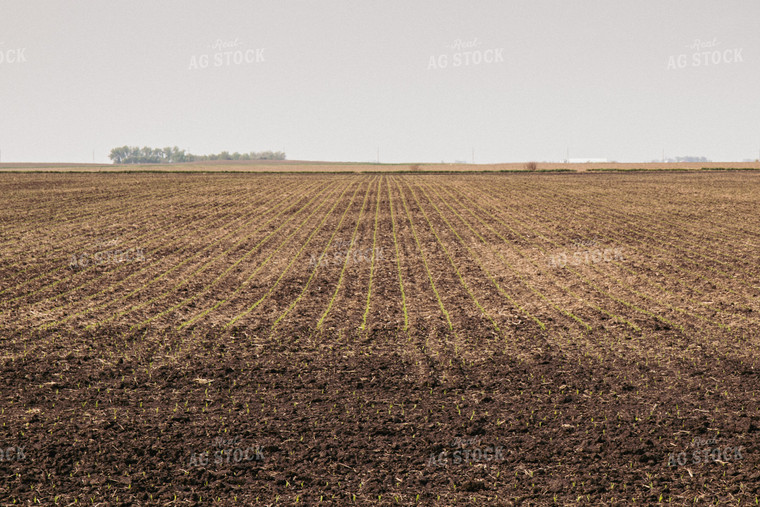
{"x": 426, "y": 81}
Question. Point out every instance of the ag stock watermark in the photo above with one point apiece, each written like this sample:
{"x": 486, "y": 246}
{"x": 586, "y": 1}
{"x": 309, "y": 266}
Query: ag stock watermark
{"x": 465, "y": 53}
{"x": 11, "y": 56}
{"x": 105, "y": 254}
{"x": 348, "y": 252}
{"x": 706, "y": 450}
{"x": 582, "y": 255}
{"x": 226, "y": 53}
{"x": 227, "y": 451}
{"x": 466, "y": 451}
{"x": 12, "y": 453}
{"x": 705, "y": 53}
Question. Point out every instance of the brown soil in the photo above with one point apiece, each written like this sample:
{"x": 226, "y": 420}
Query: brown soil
{"x": 623, "y": 380}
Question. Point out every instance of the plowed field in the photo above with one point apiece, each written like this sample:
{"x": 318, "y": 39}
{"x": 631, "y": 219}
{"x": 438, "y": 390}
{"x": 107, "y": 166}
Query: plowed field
{"x": 380, "y": 339}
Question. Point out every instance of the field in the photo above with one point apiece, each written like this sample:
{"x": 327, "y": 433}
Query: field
{"x": 306, "y": 166}
{"x": 380, "y": 338}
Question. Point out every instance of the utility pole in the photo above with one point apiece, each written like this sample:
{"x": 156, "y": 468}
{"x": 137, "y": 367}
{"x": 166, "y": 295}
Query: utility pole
{"x": 378, "y": 154}
{"x": 473, "y": 155}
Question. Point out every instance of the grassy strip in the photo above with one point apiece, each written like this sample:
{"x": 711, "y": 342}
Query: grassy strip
{"x": 730, "y": 169}
{"x": 400, "y": 171}
{"x": 638, "y": 170}
{"x": 668, "y": 169}
{"x": 315, "y": 172}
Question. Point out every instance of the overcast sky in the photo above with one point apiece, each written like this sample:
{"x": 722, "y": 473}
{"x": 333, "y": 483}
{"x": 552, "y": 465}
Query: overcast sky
{"x": 425, "y": 81}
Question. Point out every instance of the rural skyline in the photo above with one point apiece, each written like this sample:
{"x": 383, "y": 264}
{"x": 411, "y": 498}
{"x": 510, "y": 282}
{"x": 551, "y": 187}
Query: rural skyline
{"x": 417, "y": 81}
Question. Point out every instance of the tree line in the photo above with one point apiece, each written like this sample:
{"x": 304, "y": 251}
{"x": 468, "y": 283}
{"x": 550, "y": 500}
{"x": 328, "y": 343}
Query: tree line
{"x": 147, "y": 155}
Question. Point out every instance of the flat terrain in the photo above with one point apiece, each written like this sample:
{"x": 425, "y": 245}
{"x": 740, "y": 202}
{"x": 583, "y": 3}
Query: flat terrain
{"x": 380, "y": 338}
{"x": 306, "y": 166}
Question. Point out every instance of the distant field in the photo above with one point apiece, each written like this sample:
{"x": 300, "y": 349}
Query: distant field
{"x": 366, "y": 329}
{"x": 308, "y": 166}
